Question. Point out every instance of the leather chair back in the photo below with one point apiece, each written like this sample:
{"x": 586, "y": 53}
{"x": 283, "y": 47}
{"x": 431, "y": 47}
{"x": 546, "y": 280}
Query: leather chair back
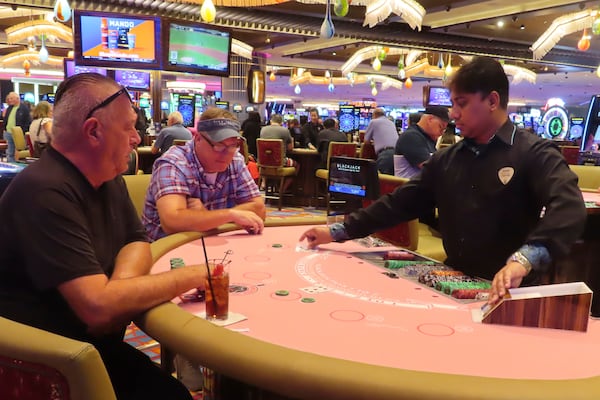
{"x": 39, "y": 365}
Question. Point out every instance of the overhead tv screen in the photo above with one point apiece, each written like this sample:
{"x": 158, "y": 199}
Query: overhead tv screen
{"x": 71, "y": 69}
{"x": 116, "y": 40}
{"x": 436, "y": 96}
{"x": 196, "y": 48}
{"x": 133, "y": 79}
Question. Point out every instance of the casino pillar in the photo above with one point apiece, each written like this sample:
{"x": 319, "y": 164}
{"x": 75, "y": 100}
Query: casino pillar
{"x": 234, "y": 88}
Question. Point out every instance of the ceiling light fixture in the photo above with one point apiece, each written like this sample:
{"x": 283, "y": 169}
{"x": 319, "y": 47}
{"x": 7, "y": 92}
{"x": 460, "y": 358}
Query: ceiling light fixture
{"x": 52, "y": 30}
{"x": 62, "y": 10}
{"x": 327, "y": 28}
{"x": 208, "y": 12}
{"x": 43, "y": 54}
{"x": 351, "y": 79}
{"x": 376, "y": 10}
{"x": 410, "y": 11}
{"x": 18, "y": 57}
{"x": 369, "y": 52}
{"x": 561, "y": 27}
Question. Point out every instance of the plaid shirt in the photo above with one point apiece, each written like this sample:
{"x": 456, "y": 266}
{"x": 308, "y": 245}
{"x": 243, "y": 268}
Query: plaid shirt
{"x": 179, "y": 171}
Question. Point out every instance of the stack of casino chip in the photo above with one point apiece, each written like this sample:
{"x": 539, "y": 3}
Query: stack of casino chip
{"x": 477, "y": 294}
{"x": 449, "y": 287}
{"x": 422, "y": 267}
{"x": 398, "y": 255}
{"x": 397, "y": 264}
{"x": 431, "y": 278}
{"x": 177, "y": 263}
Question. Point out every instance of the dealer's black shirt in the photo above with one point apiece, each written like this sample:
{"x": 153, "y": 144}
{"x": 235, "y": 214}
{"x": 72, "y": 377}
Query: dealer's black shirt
{"x": 310, "y": 132}
{"x": 56, "y": 227}
{"x": 489, "y": 200}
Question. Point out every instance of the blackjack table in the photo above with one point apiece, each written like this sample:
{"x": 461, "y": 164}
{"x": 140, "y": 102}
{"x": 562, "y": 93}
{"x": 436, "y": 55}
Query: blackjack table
{"x": 334, "y": 323}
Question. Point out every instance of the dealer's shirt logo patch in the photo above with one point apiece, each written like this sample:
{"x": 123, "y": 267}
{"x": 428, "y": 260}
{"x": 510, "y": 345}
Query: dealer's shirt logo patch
{"x": 505, "y": 174}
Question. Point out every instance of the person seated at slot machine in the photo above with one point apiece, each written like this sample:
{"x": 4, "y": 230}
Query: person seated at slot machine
{"x": 205, "y": 183}
{"x": 174, "y": 131}
{"x": 490, "y": 190}
{"x": 329, "y": 134}
{"x": 84, "y": 272}
{"x": 417, "y": 143}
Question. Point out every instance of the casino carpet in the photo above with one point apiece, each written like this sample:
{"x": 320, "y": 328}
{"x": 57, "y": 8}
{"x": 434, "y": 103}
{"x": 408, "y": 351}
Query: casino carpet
{"x": 138, "y": 339}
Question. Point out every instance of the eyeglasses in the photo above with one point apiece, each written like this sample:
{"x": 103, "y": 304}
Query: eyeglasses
{"x": 443, "y": 124}
{"x": 109, "y": 100}
{"x": 221, "y": 148}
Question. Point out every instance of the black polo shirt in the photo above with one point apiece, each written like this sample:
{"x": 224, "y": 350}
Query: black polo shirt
{"x": 54, "y": 227}
{"x": 489, "y": 200}
{"x": 415, "y": 145}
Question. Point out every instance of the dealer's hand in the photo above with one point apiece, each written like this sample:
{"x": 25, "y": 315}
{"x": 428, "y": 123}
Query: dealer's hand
{"x": 316, "y": 236}
{"x": 510, "y": 276}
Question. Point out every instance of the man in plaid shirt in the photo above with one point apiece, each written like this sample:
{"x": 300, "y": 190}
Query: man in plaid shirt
{"x": 204, "y": 184}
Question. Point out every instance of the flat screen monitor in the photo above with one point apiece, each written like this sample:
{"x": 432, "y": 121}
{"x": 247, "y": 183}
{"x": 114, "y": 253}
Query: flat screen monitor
{"x": 70, "y": 68}
{"x": 222, "y": 104}
{"x": 436, "y": 96}
{"x": 137, "y": 80}
{"x": 576, "y": 129}
{"x": 196, "y": 48}
{"x": 346, "y": 119}
{"x": 591, "y": 130}
{"x": 353, "y": 177}
{"x": 49, "y": 97}
{"x": 187, "y": 107}
{"x": 117, "y": 40}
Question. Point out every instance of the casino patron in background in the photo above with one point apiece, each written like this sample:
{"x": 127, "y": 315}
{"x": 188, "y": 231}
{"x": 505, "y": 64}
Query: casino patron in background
{"x": 205, "y": 183}
{"x": 508, "y": 204}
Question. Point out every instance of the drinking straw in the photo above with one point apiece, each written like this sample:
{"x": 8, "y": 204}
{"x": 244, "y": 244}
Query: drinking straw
{"x": 214, "y": 298}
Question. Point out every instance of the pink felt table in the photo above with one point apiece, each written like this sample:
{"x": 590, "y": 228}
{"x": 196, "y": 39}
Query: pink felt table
{"x": 359, "y": 314}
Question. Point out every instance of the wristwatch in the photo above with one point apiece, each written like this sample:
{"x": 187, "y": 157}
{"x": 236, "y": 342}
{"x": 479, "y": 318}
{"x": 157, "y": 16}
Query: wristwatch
{"x": 521, "y": 259}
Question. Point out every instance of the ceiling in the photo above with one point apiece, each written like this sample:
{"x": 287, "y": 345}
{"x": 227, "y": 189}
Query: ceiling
{"x": 288, "y": 35}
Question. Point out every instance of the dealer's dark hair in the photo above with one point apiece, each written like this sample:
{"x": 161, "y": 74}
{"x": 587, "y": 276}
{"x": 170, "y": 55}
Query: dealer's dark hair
{"x": 481, "y": 75}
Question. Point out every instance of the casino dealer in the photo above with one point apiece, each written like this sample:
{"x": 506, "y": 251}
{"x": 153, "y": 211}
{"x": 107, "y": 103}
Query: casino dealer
{"x": 489, "y": 190}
